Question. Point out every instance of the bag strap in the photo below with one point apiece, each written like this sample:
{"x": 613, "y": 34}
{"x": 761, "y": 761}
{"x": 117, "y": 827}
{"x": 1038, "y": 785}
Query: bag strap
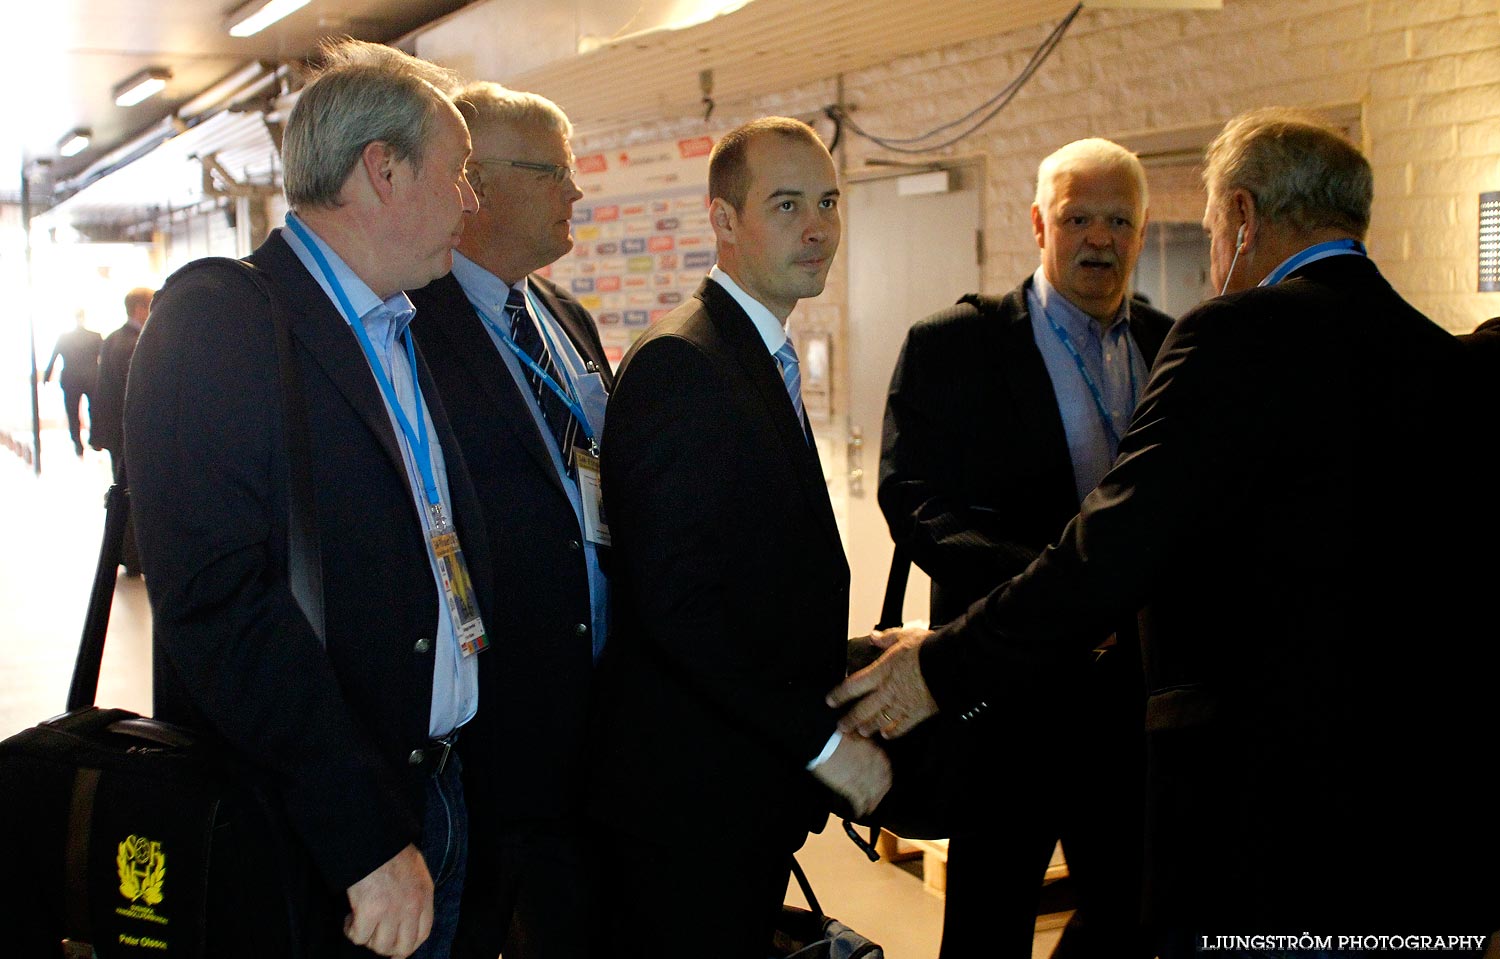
{"x": 304, "y": 548}
{"x": 895, "y": 590}
{"x": 806, "y": 887}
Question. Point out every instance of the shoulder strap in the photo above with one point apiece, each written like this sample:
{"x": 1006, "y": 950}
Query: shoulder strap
{"x": 304, "y": 548}
{"x": 895, "y": 590}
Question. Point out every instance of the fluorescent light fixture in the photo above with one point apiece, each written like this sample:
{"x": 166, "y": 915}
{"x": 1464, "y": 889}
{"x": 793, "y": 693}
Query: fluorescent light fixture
{"x": 256, "y": 15}
{"x": 74, "y": 143}
{"x": 142, "y": 84}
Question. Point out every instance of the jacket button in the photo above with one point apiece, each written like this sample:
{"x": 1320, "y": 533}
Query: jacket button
{"x": 415, "y": 758}
{"x": 423, "y": 645}
{"x": 581, "y": 630}
{"x": 574, "y": 545}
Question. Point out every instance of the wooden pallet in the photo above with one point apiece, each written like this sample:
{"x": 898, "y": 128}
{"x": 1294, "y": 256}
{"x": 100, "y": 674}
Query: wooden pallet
{"x": 934, "y": 853}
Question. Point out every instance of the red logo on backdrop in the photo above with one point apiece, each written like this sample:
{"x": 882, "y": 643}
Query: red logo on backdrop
{"x": 695, "y": 147}
{"x": 634, "y": 209}
{"x": 593, "y": 163}
{"x": 545, "y": 271}
{"x": 606, "y": 213}
{"x": 607, "y": 284}
{"x": 658, "y": 243}
{"x": 614, "y": 354}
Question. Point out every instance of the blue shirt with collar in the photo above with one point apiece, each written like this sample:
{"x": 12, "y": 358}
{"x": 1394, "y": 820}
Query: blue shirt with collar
{"x": 488, "y": 293}
{"x": 1113, "y": 360}
{"x": 455, "y": 679}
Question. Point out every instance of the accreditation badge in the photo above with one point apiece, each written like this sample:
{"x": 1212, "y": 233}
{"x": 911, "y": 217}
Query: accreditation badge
{"x": 595, "y": 524}
{"x": 458, "y": 586}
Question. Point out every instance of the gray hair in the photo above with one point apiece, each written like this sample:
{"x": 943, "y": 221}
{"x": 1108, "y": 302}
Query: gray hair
{"x": 1093, "y": 153}
{"x": 364, "y": 93}
{"x": 485, "y": 103}
{"x": 1301, "y": 171}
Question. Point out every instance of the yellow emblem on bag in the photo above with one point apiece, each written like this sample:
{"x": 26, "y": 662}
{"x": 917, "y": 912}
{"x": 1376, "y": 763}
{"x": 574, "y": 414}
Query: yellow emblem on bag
{"x": 143, "y": 869}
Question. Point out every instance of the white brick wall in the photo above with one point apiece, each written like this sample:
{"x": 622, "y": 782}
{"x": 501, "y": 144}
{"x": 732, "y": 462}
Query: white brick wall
{"x": 1424, "y": 73}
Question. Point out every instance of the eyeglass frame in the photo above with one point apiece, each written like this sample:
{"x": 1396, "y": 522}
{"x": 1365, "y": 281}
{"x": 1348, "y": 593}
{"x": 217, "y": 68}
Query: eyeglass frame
{"x": 556, "y": 171}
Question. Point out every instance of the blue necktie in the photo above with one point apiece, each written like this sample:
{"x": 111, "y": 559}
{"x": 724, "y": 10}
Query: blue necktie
{"x": 560, "y": 421}
{"x": 791, "y": 376}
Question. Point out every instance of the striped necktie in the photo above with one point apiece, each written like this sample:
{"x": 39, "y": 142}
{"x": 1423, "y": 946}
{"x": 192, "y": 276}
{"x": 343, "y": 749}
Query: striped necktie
{"x": 560, "y": 420}
{"x": 791, "y": 376}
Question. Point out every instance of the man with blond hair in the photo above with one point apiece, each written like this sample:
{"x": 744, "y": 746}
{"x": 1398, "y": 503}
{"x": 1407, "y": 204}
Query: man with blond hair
{"x": 1283, "y": 508}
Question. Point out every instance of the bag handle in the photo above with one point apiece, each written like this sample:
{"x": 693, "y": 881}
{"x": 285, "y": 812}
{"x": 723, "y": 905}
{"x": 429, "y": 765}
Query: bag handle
{"x": 304, "y": 548}
{"x": 895, "y": 590}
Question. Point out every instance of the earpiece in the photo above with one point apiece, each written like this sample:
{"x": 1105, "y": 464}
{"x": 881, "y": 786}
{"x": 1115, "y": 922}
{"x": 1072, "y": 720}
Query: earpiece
{"x": 1239, "y": 240}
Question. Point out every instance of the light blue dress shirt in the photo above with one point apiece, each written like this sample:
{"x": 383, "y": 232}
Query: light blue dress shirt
{"x": 1112, "y": 359}
{"x": 488, "y": 293}
{"x": 455, "y": 679}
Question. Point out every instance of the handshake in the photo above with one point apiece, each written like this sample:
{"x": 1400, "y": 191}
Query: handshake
{"x": 884, "y": 692}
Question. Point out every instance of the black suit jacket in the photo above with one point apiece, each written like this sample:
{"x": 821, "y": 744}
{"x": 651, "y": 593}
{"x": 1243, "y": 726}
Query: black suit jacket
{"x": 234, "y": 654}
{"x": 1283, "y": 503}
{"x": 107, "y": 405}
{"x": 732, "y": 589}
{"x": 975, "y": 475}
{"x": 537, "y": 677}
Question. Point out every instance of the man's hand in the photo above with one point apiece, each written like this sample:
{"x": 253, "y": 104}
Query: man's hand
{"x": 859, "y": 771}
{"x": 895, "y": 697}
{"x": 391, "y": 908}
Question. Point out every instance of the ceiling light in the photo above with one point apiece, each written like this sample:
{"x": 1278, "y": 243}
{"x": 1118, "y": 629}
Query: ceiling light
{"x": 256, "y": 15}
{"x": 74, "y": 143}
{"x": 141, "y": 85}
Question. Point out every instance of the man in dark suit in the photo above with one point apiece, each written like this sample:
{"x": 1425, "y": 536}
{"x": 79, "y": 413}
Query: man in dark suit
{"x": 522, "y": 436}
{"x": 355, "y": 725}
{"x": 1283, "y": 507}
{"x": 107, "y": 408}
{"x": 1050, "y": 375}
{"x": 731, "y": 584}
{"x": 79, "y": 349}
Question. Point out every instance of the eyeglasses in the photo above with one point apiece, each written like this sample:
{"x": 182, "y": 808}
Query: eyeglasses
{"x": 556, "y": 172}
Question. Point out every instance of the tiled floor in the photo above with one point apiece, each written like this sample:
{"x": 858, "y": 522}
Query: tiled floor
{"x": 52, "y": 527}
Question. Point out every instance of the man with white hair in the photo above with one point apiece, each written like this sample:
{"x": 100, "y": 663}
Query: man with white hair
{"x": 524, "y": 378}
{"x": 1287, "y": 506}
{"x": 351, "y": 706}
{"x": 1004, "y": 412}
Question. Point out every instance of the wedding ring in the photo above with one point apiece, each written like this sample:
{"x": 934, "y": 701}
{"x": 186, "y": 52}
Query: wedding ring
{"x": 887, "y": 717}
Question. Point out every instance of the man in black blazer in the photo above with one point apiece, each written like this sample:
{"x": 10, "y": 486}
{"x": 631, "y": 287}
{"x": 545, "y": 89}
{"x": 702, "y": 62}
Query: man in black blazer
{"x": 527, "y": 886}
{"x": 79, "y": 349}
{"x": 732, "y": 589}
{"x": 1284, "y": 507}
{"x": 355, "y": 725}
{"x": 1003, "y": 414}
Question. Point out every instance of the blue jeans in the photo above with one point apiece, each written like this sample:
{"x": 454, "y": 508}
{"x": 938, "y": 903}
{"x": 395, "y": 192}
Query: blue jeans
{"x": 445, "y": 847}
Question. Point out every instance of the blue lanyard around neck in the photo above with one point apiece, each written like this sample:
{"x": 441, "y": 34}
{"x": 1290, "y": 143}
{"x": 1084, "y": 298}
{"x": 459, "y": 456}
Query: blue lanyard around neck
{"x": 1104, "y": 417}
{"x": 420, "y": 443}
{"x": 564, "y": 393}
{"x": 1312, "y": 254}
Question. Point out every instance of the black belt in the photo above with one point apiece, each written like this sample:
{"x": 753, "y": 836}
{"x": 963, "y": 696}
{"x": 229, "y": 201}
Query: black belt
{"x": 432, "y": 758}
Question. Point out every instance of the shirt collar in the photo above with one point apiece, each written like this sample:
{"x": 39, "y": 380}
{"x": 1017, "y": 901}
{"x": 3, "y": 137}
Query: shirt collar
{"x": 1074, "y": 321}
{"x": 482, "y": 285}
{"x": 384, "y": 320}
{"x": 767, "y": 325}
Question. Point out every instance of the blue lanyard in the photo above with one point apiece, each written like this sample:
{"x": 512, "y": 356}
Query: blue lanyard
{"x": 1312, "y": 254}
{"x": 1104, "y": 417}
{"x": 420, "y": 444}
{"x": 563, "y": 393}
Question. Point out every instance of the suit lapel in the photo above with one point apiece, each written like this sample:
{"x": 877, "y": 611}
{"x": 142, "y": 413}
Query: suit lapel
{"x": 455, "y": 328}
{"x": 1031, "y": 391}
{"x": 750, "y": 352}
{"x": 319, "y": 327}
{"x": 578, "y": 325}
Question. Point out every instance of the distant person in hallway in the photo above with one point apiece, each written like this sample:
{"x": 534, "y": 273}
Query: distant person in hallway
{"x": 732, "y": 591}
{"x": 107, "y": 408}
{"x": 487, "y": 329}
{"x": 1286, "y": 507}
{"x": 1003, "y": 414}
{"x": 79, "y": 349}
{"x": 357, "y": 724}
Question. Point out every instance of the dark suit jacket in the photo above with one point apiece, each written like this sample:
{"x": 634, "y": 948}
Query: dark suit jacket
{"x": 975, "y": 475}
{"x": 234, "y": 654}
{"x": 79, "y": 350}
{"x": 537, "y": 677}
{"x": 107, "y": 405}
{"x": 1283, "y": 502}
{"x": 732, "y": 590}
